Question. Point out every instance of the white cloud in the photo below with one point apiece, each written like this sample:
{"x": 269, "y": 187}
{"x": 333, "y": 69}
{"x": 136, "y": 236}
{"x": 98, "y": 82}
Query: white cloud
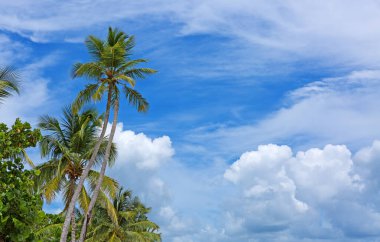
{"x": 324, "y": 173}
{"x": 35, "y": 96}
{"x": 140, "y": 158}
{"x": 271, "y": 192}
{"x": 318, "y": 190}
{"x": 141, "y": 151}
{"x": 341, "y": 110}
{"x": 260, "y": 162}
{"x": 11, "y": 51}
{"x": 339, "y": 31}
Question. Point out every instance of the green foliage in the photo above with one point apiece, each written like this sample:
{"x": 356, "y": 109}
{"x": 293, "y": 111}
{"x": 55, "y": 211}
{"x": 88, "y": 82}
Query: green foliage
{"x": 49, "y": 228}
{"x": 69, "y": 144}
{"x": 111, "y": 68}
{"x": 123, "y": 218}
{"x": 19, "y": 137}
{"x": 20, "y": 209}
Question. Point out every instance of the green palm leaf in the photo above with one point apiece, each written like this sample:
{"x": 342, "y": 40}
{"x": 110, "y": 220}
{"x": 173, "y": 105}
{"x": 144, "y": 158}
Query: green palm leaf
{"x": 136, "y": 99}
{"x": 9, "y": 82}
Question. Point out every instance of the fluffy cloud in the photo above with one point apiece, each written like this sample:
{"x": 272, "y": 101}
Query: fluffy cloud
{"x": 141, "y": 151}
{"x": 270, "y": 194}
{"x": 322, "y": 191}
{"x": 139, "y": 159}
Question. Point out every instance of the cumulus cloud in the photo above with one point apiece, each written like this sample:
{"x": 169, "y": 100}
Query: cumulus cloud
{"x": 139, "y": 159}
{"x": 319, "y": 190}
{"x": 141, "y": 151}
{"x": 176, "y": 193}
{"x": 271, "y": 193}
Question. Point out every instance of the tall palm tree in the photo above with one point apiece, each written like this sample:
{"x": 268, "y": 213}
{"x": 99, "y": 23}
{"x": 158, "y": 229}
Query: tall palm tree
{"x": 69, "y": 145}
{"x": 125, "y": 220}
{"x": 9, "y": 82}
{"x": 114, "y": 72}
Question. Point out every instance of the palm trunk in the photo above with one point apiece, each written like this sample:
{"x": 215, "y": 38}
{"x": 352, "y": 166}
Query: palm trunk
{"x": 66, "y": 224}
{"x": 73, "y": 226}
{"x": 95, "y": 194}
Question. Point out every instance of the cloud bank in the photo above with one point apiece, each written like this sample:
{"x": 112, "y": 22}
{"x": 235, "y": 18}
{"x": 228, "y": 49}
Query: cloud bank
{"x": 268, "y": 194}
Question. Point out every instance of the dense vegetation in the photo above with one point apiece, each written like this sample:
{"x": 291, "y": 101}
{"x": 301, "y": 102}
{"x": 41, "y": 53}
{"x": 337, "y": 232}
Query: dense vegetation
{"x": 95, "y": 208}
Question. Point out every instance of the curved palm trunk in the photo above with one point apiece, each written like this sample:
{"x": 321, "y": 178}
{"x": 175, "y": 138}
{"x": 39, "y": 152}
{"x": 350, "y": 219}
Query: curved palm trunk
{"x": 66, "y": 224}
{"x": 95, "y": 194}
{"x": 73, "y": 226}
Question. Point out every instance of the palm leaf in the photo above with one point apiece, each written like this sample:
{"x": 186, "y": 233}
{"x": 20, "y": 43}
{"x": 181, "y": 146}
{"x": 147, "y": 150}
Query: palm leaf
{"x": 84, "y": 96}
{"x": 94, "y": 46}
{"x": 109, "y": 185}
{"x": 136, "y": 99}
{"x": 139, "y": 72}
{"x": 84, "y": 199}
{"x": 9, "y": 82}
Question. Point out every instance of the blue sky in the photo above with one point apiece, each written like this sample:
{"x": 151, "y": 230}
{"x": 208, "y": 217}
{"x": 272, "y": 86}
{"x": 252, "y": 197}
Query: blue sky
{"x": 264, "y": 115}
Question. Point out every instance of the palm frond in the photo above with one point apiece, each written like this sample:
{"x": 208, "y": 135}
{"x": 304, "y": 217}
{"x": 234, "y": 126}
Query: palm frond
{"x": 84, "y": 96}
{"x": 128, "y": 79}
{"x": 129, "y": 44}
{"x": 111, "y": 211}
{"x": 109, "y": 185}
{"x": 94, "y": 46}
{"x": 84, "y": 199}
{"x": 48, "y": 230}
{"x": 136, "y": 99}
{"x": 90, "y": 70}
{"x": 139, "y": 72}
{"x": 9, "y": 82}
{"x": 130, "y": 64}
{"x": 68, "y": 193}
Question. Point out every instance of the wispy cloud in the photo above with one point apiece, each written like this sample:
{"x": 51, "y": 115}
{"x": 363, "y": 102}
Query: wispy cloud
{"x": 341, "y": 110}
{"x": 35, "y": 96}
{"x": 338, "y": 31}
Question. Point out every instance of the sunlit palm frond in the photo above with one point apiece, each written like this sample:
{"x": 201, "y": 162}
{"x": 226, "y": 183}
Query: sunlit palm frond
{"x": 127, "y": 79}
{"x": 109, "y": 185}
{"x": 111, "y": 211}
{"x": 84, "y": 96}
{"x": 129, "y": 65}
{"x": 84, "y": 199}
{"x": 51, "y": 229}
{"x": 91, "y": 70}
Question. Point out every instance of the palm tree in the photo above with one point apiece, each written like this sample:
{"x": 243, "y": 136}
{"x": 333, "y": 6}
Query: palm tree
{"x": 125, "y": 220}
{"x": 114, "y": 72}
{"x": 8, "y": 82}
{"x": 69, "y": 145}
